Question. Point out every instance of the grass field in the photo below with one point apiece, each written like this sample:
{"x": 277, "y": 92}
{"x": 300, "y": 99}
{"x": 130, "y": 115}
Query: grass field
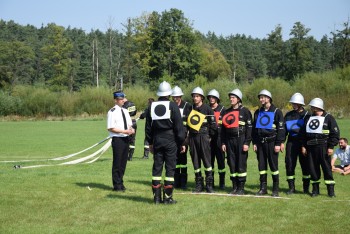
{"x": 79, "y": 198}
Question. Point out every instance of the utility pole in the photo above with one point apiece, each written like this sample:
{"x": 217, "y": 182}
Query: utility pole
{"x": 233, "y": 63}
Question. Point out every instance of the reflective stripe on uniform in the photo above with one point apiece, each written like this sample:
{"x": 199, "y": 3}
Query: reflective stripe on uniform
{"x": 262, "y": 172}
{"x": 156, "y": 178}
{"x": 146, "y": 146}
{"x": 241, "y": 123}
{"x": 244, "y": 174}
{"x": 329, "y": 182}
{"x": 169, "y": 179}
{"x": 315, "y": 181}
{"x": 290, "y": 177}
{"x": 222, "y": 170}
{"x": 131, "y": 146}
{"x": 275, "y": 172}
{"x": 234, "y": 174}
{"x": 198, "y": 170}
{"x": 208, "y": 169}
{"x": 306, "y": 176}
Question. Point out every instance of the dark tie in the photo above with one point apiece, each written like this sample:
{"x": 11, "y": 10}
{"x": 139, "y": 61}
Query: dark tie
{"x": 124, "y": 119}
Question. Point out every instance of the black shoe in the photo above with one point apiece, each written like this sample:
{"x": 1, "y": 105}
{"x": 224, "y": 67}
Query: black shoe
{"x": 119, "y": 188}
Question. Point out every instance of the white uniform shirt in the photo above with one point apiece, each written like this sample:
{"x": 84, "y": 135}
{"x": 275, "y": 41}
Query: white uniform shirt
{"x": 115, "y": 120}
{"x": 343, "y": 155}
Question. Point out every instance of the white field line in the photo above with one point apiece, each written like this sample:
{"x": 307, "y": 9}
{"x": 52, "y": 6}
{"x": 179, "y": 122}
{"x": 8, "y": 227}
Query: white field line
{"x": 231, "y": 195}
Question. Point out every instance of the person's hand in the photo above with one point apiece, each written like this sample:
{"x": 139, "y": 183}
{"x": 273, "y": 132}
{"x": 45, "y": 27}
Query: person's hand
{"x": 223, "y": 147}
{"x": 330, "y": 152}
{"x": 255, "y": 148}
{"x": 303, "y": 151}
{"x": 282, "y": 147}
{"x": 183, "y": 149}
{"x": 245, "y": 148}
{"x": 277, "y": 148}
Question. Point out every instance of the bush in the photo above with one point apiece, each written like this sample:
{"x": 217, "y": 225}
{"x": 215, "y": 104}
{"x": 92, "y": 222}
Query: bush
{"x": 9, "y": 105}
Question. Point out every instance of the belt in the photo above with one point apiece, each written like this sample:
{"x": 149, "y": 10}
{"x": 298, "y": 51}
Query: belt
{"x": 267, "y": 139}
{"x": 316, "y": 142}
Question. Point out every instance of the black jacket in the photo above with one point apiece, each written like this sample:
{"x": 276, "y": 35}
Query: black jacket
{"x": 278, "y": 130}
{"x": 169, "y": 126}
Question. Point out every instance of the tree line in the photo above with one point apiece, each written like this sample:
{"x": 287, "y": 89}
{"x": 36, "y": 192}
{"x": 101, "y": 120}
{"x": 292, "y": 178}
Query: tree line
{"x": 159, "y": 46}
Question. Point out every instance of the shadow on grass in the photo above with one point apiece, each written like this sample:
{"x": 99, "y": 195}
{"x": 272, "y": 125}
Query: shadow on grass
{"x": 125, "y": 196}
{"x": 95, "y": 185}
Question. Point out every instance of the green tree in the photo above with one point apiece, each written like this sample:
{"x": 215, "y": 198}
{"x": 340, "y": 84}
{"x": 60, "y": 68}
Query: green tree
{"x": 213, "y": 64}
{"x": 57, "y": 58}
{"x": 341, "y": 45}
{"x": 15, "y": 63}
{"x": 274, "y": 52}
{"x": 299, "y": 55}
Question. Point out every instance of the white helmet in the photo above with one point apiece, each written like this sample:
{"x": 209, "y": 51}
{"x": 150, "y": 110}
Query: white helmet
{"x": 297, "y": 98}
{"x": 164, "y": 89}
{"x": 177, "y": 92}
{"x": 265, "y": 93}
{"x": 237, "y": 93}
{"x": 214, "y": 93}
{"x": 317, "y": 102}
{"x": 198, "y": 90}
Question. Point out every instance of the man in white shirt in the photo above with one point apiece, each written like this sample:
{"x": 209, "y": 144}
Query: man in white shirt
{"x": 119, "y": 125}
{"x": 343, "y": 154}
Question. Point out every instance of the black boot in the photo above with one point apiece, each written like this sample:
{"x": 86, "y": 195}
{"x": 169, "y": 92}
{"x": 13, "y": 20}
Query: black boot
{"x": 240, "y": 189}
{"x": 168, "y": 194}
{"x": 199, "y": 184}
{"x": 222, "y": 180}
{"x": 131, "y": 153}
{"x": 291, "y": 186}
{"x": 183, "y": 179}
{"x": 157, "y": 193}
{"x": 177, "y": 181}
{"x": 330, "y": 189}
{"x": 315, "y": 189}
{"x": 209, "y": 181}
{"x": 145, "y": 153}
{"x": 306, "y": 185}
{"x": 234, "y": 185}
{"x": 263, "y": 185}
{"x": 275, "y": 189}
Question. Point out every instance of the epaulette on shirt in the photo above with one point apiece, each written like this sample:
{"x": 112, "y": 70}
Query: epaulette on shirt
{"x": 112, "y": 109}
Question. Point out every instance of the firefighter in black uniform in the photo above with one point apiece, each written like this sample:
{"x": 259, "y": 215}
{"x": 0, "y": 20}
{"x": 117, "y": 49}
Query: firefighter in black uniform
{"x": 181, "y": 162}
{"x": 201, "y": 126}
{"x": 293, "y": 121}
{"x": 165, "y": 133}
{"x": 145, "y": 142}
{"x": 268, "y": 135}
{"x": 215, "y": 143}
{"x": 236, "y": 137}
{"x": 320, "y": 135}
{"x": 130, "y": 106}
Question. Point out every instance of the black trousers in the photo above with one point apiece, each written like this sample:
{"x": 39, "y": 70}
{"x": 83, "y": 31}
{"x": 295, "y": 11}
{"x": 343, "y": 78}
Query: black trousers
{"x": 266, "y": 156}
{"x": 181, "y": 162}
{"x": 200, "y": 151}
{"x": 318, "y": 158}
{"x": 293, "y": 152}
{"x": 120, "y": 147}
{"x": 216, "y": 153}
{"x": 237, "y": 158}
{"x": 165, "y": 151}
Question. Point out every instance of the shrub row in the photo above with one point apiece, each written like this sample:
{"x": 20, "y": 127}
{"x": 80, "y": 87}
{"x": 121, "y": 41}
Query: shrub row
{"x": 333, "y": 87}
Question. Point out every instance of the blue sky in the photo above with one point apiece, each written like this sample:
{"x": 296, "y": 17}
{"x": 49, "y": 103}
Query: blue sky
{"x": 256, "y": 18}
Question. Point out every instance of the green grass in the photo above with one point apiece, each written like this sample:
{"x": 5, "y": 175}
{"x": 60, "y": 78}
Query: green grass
{"x": 56, "y": 199}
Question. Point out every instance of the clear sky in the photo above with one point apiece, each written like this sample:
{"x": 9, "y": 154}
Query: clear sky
{"x": 255, "y": 18}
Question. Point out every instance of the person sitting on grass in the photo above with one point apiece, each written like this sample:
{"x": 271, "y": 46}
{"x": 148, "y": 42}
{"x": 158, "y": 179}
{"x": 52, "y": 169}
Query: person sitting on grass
{"x": 343, "y": 154}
